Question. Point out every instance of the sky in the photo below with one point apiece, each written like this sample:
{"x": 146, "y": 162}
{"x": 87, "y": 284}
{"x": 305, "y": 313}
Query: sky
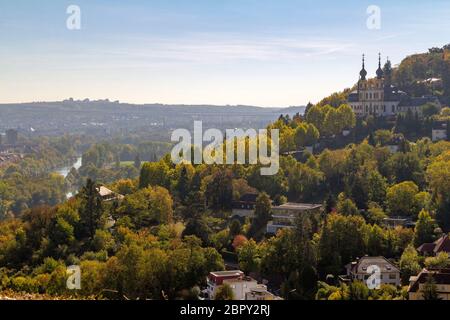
{"x": 270, "y": 53}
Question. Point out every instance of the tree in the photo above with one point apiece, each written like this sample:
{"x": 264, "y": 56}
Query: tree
{"x": 375, "y": 213}
{"x": 424, "y": 230}
{"x": 249, "y": 257}
{"x": 332, "y": 125}
{"x": 149, "y": 206}
{"x": 305, "y": 183}
{"x": 346, "y": 116}
{"x": 401, "y": 199}
{"x": 405, "y": 167}
{"x": 358, "y": 291}
{"x": 235, "y": 228}
{"x": 342, "y": 239}
{"x": 219, "y": 190}
{"x": 440, "y": 261}
{"x": 409, "y": 264}
{"x": 195, "y": 205}
{"x": 153, "y": 174}
{"x": 383, "y": 137}
{"x": 263, "y": 213}
{"x": 198, "y": 228}
{"x": 376, "y": 185}
{"x": 224, "y": 292}
{"x": 438, "y": 176}
{"x": 346, "y": 206}
{"x": 429, "y": 290}
{"x": 239, "y": 241}
{"x": 306, "y": 135}
{"x": 316, "y": 116}
{"x": 183, "y": 183}
{"x": 91, "y": 209}
{"x": 377, "y": 242}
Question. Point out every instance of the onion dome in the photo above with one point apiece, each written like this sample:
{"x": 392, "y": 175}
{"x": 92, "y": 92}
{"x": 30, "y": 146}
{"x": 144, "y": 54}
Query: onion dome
{"x": 363, "y": 72}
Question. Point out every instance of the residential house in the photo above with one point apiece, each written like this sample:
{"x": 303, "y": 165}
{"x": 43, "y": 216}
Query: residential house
{"x": 394, "y": 222}
{"x": 284, "y": 216}
{"x": 244, "y": 288}
{"x": 433, "y": 249}
{"x": 108, "y": 195}
{"x": 441, "y": 279}
{"x": 245, "y": 206}
{"x": 358, "y": 270}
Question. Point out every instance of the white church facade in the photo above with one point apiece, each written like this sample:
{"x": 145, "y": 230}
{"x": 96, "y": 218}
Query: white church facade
{"x": 379, "y": 97}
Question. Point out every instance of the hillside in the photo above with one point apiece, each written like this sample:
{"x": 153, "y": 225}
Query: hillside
{"x": 418, "y": 75}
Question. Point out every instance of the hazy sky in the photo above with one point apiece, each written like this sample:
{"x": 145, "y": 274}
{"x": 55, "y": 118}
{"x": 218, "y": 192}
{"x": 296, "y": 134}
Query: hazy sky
{"x": 255, "y": 52}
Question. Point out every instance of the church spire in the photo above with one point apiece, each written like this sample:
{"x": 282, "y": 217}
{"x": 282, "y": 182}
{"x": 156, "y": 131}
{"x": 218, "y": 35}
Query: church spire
{"x": 363, "y": 72}
{"x": 380, "y": 72}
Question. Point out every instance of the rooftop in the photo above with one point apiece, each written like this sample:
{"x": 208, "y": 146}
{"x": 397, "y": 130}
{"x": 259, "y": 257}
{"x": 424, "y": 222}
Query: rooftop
{"x": 440, "y": 276}
{"x": 363, "y": 263}
{"x": 298, "y": 206}
{"x": 230, "y": 273}
{"x": 440, "y": 245}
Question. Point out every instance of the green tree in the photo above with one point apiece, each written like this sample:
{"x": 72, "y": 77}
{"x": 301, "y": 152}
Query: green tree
{"x": 224, "y": 292}
{"x": 424, "y": 230}
{"x": 346, "y": 206}
{"x": 409, "y": 264}
{"x": 91, "y": 209}
{"x": 346, "y": 116}
{"x": 154, "y": 174}
{"x": 438, "y": 176}
{"x": 341, "y": 240}
{"x": 219, "y": 190}
{"x": 263, "y": 214}
{"x": 401, "y": 199}
{"x": 358, "y": 290}
{"x": 440, "y": 261}
{"x": 316, "y": 116}
{"x": 306, "y": 135}
{"x": 183, "y": 183}
{"x": 235, "y": 228}
{"x": 377, "y": 186}
{"x": 429, "y": 290}
{"x": 198, "y": 228}
{"x": 249, "y": 257}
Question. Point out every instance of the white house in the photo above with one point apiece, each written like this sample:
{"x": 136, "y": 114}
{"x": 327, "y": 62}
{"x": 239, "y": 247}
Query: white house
{"x": 358, "y": 270}
{"x": 244, "y": 288}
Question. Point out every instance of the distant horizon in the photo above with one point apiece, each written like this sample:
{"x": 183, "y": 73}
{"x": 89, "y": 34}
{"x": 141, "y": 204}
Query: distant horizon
{"x": 112, "y": 101}
{"x": 264, "y": 53}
